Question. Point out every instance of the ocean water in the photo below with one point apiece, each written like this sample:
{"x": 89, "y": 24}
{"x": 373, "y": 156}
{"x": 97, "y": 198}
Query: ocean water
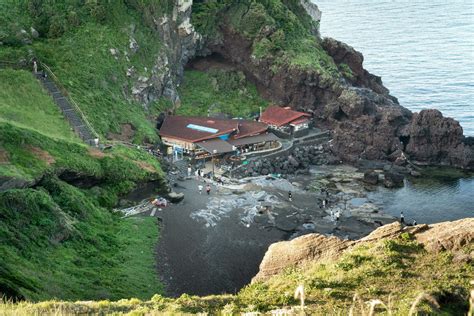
{"x": 436, "y": 197}
{"x": 423, "y": 50}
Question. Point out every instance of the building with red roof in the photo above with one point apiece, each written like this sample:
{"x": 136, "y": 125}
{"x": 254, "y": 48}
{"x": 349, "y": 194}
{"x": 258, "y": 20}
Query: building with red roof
{"x": 201, "y": 136}
{"x": 285, "y": 119}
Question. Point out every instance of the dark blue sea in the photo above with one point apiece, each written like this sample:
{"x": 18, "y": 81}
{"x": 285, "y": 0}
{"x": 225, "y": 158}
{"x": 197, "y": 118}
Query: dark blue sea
{"x": 423, "y": 50}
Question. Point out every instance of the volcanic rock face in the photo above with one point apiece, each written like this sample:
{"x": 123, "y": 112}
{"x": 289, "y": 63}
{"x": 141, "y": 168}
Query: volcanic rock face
{"x": 368, "y": 122}
{"x": 313, "y": 247}
{"x": 435, "y": 139}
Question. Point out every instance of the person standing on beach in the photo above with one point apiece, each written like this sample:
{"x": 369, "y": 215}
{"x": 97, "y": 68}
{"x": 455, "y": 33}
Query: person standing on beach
{"x": 200, "y": 187}
{"x": 208, "y": 189}
{"x": 402, "y": 218}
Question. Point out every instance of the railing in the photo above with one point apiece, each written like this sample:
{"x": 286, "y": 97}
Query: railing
{"x": 71, "y": 100}
{"x": 11, "y": 64}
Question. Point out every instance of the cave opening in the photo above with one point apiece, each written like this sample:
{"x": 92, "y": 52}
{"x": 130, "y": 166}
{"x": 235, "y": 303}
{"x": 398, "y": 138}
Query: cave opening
{"x": 340, "y": 115}
{"x": 212, "y": 61}
{"x": 404, "y": 140}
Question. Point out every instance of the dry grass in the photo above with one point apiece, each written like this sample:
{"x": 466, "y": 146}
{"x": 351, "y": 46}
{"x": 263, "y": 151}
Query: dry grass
{"x": 42, "y": 155}
{"x": 4, "y": 157}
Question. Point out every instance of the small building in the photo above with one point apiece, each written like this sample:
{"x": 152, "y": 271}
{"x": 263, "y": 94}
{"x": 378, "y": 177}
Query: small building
{"x": 286, "y": 120}
{"x": 201, "y": 137}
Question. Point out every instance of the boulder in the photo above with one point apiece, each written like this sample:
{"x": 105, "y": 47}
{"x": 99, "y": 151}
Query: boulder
{"x": 175, "y": 197}
{"x": 371, "y": 177}
{"x": 393, "y": 179}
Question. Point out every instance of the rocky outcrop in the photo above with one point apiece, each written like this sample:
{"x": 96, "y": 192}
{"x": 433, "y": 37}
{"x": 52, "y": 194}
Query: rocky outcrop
{"x": 344, "y": 54}
{"x": 434, "y": 139}
{"x": 314, "y": 247}
{"x": 298, "y": 251}
{"x": 181, "y": 42}
{"x": 367, "y": 122}
{"x": 293, "y": 161}
{"x": 314, "y": 12}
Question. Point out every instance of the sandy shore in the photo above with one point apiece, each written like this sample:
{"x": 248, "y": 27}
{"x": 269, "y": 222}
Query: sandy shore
{"x": 214, "y": 243}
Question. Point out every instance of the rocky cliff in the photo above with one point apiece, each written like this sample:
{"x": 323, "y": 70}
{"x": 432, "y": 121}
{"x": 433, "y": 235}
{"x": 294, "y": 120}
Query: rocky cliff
{"x": 367, "y": 122}
{"x": 315, "y": 247}
{"x": 181, "y": 43}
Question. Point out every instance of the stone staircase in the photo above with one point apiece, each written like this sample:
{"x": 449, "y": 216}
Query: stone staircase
{"x": 69, "y": 108}
{"x": 66, "y": 104}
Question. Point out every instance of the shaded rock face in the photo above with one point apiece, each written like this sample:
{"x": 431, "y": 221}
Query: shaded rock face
{"x": 181, "y": 43}
{"x": 433, "y": 139}
{"x": 314, "y": 247}
{"x": 368, "y": 122}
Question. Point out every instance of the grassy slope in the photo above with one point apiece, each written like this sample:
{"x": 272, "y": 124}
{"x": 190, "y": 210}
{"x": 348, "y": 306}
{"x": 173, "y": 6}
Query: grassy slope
{"x": 66, "y": 246}
{"x": 76, "y": 41}
{"x": 393, "y": 271}
{"x": 25, "y": 103}
{"x": 61, "y": 241}
{"x": 57, "y": 240}
{"x": 220, "y": 91}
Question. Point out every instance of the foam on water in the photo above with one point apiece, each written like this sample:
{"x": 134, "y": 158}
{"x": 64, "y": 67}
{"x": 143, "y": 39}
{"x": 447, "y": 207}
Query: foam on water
{"x": 250, "y": 202}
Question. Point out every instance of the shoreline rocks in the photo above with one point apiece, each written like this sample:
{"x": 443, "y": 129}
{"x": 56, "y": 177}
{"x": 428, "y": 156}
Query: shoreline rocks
{"x": 315, "y": 247}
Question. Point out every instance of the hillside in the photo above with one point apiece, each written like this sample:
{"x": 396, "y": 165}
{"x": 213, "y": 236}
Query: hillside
{"x": 421, "y": 269}
{"x": 125, "y": 62}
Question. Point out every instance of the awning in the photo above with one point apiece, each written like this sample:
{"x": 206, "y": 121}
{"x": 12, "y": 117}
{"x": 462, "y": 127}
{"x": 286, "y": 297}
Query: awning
{"x": 266, "y": 137}
{"x": 216, "y": 146}
{"x": 299, "y": 121}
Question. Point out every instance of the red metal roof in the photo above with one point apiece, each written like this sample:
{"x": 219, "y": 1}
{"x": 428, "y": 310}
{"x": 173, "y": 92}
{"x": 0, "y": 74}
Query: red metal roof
{"x": 177, "y": 127}
{"x": 279, "y": 116}
{"x": 250, "y": 128}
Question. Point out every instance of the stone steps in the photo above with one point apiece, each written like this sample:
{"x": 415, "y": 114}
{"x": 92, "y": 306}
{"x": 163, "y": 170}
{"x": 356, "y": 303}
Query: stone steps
{"x": 69, "y": 111}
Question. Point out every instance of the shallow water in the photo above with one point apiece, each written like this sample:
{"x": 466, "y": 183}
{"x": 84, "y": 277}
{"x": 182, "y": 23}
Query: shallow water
{"x": 423, "y": 50}
{"x": 434, "y": 198}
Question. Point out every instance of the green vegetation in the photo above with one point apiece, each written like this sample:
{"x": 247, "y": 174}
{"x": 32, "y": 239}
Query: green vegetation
{"x": 76, "y": 41}
{"x": 280, "y": 30}
{"x": 57, "y": 242}
{"x": 30, "y": 154}
{"x": 392, "y": 271}
{"x": 218, "y": 91}
{"x": 24, "y": 102}
{"x": 59, "y": 238}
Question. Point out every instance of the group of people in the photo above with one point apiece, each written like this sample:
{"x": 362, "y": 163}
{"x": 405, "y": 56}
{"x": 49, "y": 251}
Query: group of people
{"x": 208, "y": 188}
{"x": 335, "y": 216}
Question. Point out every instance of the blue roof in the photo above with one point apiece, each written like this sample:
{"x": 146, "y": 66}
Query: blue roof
{"x": 202, "y": 128}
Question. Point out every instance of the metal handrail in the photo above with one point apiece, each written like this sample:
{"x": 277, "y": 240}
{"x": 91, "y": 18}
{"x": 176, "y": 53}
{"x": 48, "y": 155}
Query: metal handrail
{"x": 71, "y": 100}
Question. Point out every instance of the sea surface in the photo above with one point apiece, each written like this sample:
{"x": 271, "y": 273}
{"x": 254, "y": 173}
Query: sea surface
{"x": 423, "y": 50}
{"x": 440, "y": 195}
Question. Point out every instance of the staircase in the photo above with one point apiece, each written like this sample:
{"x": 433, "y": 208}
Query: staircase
{"x": 68, "y": 106}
